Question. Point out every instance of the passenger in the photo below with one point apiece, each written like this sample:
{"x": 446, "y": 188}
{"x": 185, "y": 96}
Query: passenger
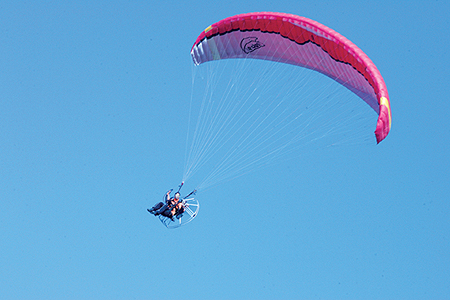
{"x": 169, "y": 209}
{"x": 180, "y": 208}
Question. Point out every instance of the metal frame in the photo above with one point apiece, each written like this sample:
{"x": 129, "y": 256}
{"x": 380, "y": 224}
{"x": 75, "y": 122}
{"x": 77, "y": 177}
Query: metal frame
{"x": 191, "y": 211}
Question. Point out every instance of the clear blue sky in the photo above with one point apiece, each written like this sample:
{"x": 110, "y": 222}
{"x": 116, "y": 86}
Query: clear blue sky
{"x": 89, "y": 95}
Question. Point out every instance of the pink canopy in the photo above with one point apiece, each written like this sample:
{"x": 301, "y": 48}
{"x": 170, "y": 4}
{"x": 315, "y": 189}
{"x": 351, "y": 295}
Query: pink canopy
{"x": 298, "y": 41}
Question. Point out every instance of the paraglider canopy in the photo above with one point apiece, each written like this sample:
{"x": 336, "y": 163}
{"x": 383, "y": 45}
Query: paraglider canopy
{"x": 298, "y": 41}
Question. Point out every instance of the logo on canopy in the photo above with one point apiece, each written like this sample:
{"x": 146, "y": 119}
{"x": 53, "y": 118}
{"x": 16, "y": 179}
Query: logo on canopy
{"x": 250, "y": 44}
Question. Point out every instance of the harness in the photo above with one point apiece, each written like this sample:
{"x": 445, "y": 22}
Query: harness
{"x": 185, "y": 214}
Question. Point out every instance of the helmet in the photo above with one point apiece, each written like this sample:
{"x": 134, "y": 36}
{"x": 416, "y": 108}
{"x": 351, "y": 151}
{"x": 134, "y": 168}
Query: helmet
{"x": 177, "y": 195}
